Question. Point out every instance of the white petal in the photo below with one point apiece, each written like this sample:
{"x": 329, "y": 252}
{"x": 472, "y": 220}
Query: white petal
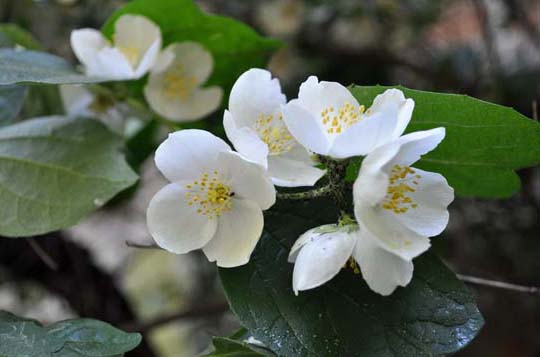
{"x": 185, "y": 154}
{"x": 321, "y": 258}
{"x": 112, "y": 64}
{"x": 306, "y": 128}
{"x": 149, "y": 59}
{"x": 164, "y": 59}
{"x": 395, "y": 97}
{"x": 416, "y": 144}
{"x": 382, "y": 270}
{"x": 237, "y": 234}
{"x": 248, "y": 180}
{"x": 194, "y": 60}
{"x": 176, "y": 226}
{"x": 253, "y": 94}
{"x": 432, "y": 195}
{"x": 76, "y": 99}
{"x": 136, "y": 35}
{"x": 86, "y": 43}
{"x": 294, "y": 168}
{"x": 245, "y": 140}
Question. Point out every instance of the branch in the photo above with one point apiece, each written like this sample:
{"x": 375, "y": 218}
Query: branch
{"x": 318, "y": 192}
{"x": 141, "y": 246}
{"x": 532, "y": 290}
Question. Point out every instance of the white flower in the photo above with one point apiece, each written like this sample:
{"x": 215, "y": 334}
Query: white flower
{"x": 328, "y": 120}
{"x": 214, "y": 201}
{"x": 321, "y": 253}
{"x": 255, "y": 126}
{"x": 401, "y": 206}
{"x": 173, "y": 90}
{"x": 137, "y": 42}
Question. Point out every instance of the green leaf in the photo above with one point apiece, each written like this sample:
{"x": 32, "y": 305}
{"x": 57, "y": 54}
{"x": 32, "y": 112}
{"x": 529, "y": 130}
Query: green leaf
{"x": 71, "y": 338}
{"x": 11, "y": 102}
{"x": 485, "y": 143}
{"x": 435, "y": 314}
{"x": 12, "y": 35}
{"x": 54, "y": 171}
{"x": 227, "y": 347}
{"x": 234, "y": 46}
{"x": 38, "y": 67}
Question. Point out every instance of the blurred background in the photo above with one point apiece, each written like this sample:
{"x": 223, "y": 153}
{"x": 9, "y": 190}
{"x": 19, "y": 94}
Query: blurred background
{"x": 488, "y": 49}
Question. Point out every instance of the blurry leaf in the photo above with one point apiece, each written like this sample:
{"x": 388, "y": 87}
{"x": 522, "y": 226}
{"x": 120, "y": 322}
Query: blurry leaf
{"x": 485, "y": 143}
{"x": 54, "y": 171}
{"x": 73, "y": 338}
{"x": 435, "y": 314}
{"x": 234, "y": 46}
{"x": 12, "y": 34}
{"x": 38, "y": 67}
{"x": 226, "y": 347}
{"x": 11, "y": 102}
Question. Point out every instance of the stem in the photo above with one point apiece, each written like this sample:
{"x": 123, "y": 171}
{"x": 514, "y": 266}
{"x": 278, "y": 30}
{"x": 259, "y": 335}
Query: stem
{"x": 318, "y": 192}
{"x": 533, "y": 290}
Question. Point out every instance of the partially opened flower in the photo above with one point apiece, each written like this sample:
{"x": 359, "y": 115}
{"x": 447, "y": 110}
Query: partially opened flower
{"x": 401, "y": 206}
{"x": 174, "y": 86}
{"x": 328, "y": 120}
{"x": 255, "y": 126}
{"x": 214, "y": 201}
{"x": 136, "y": 44}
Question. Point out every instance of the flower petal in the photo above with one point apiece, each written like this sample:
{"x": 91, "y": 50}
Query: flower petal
{"x": 176, "y": 226}
{"x": 248, "y": 180}
{"x": 237, "y": 234}
{"x": 416, "y": 144}
{"x": 382, "y": 270}
{"x": 136, "y": 35}
{"x": 321, "y": 258}
{"x": 185, "y": 154}
{"x": 306, "y": 128}
{"x": 245, "y": 141}
{"x": 253, "y": 94}
{"x": 432, "y": 196}
{"x": 86, "y": 43}
{"x": 194, "y": 59}
{"x": 294, "y": 168}
{"x": 149, "y": 59}
{"x": 76, "y": 99}
{"x": 395, "y": 97}
{"x": 112, "y": 64}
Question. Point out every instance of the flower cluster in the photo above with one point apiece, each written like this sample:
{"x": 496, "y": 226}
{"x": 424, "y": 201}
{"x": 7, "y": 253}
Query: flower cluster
{"x": 216, "y": 196}
{"x": 176, "y": 73}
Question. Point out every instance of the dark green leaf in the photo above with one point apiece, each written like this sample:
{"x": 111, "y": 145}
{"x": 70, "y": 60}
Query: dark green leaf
{"x": 11, "y": 102}
{"x": 38, "y": 67}
{"x": 227, "y": 347}
{"x": 434, "y": 314}
{"x": 12, "y": 35}
{"x": 234, "y": 46}
{"x": 485, "y": 143}
{"x": 54, "y": 171}
{"x": 71, "y": 338}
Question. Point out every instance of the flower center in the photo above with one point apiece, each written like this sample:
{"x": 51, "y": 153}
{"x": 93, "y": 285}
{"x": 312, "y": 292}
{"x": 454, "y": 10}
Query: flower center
{"x": 211, "y": 196}
{"x": 403, "y": 182}
{"x": 177, "y": 83}
{"x": 131, "y": 53}
{"x": 353, "y": 265}
{"x": 336, "y": 121}
{"x": 273, "y": 132}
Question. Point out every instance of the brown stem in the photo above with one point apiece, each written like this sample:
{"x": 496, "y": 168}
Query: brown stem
{"x": 533, "y": 290}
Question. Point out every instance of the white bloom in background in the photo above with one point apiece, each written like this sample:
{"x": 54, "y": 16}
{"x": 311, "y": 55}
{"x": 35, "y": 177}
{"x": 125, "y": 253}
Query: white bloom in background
{"x": 214, "y": 201}
{"x": 320, "y": 254}
{"x": 255, "y": 126}
{"x": 136, "y": 45}
{"x": 401, "y": 206}
{"x": 328, "y": 120}
{"x": 174, "y": 86}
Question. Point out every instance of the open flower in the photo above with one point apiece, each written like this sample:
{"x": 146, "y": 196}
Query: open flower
{"x": 214, "y": 201}
{"x": 401, "y": 206}
{"x": 174, "y": 86}
{"x": 255, "y": 126}
{"x": 136, "y": 44}
{"x": 328, "y": 120}
{"x": 321, "y": 253}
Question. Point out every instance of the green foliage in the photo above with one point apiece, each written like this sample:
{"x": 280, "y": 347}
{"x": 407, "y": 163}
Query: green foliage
{"x": 38, "y": 67}
{"x": 228, "y": 347}
{"x": 70, "y": 338}
{"x": 54, "y": 171}
{"x": 435, "y": 314}
{"x": 12, "y": 35}
{"x": 11, "y": 102}
{"x": 485, "y": 143}
{"x": 234, "y": 46}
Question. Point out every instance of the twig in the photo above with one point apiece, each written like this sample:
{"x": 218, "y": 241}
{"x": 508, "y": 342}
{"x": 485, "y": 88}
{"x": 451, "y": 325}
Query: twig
{"x": 141, "y": 246}
{"x": 42, "y": 254}
{"x": 532, "y": 290}
{"x": 535, "y": 110}
{"x": 319, "y": 192}
{"x": 200, "y": 311}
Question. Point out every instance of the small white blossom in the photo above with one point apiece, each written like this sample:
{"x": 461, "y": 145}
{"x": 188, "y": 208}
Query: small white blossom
{"x": 214, "y": 201}
{"x": 136, "y": 44}
{"x": 328, "y": 120}
{"x": 174, "y": 86}
{"x": 255, "y": 126}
